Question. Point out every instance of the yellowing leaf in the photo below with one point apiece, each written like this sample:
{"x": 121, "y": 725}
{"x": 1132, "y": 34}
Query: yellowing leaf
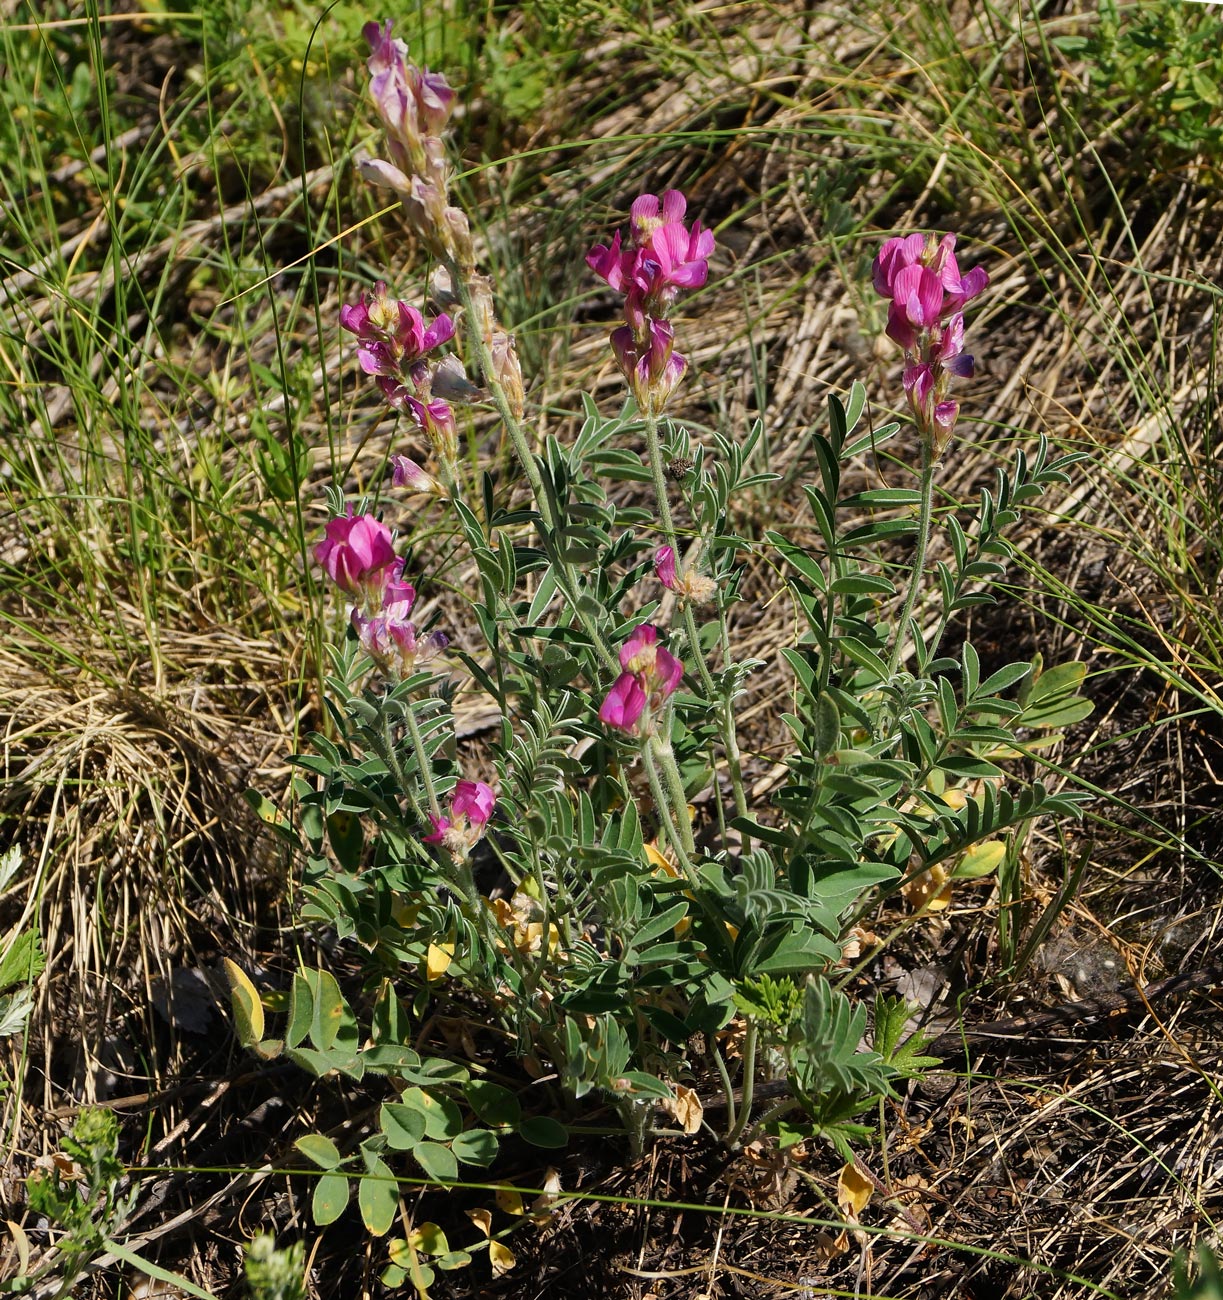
{"x": 659, "y": 862}
{"x": 981, "y": 860}
{"x": 248, "y": 1010}
{"x": 929, "y": 890}
{"x": 482, "y": 1219}
{"x": 501, "y": 1257}
{"x": 509, "y": 1200}
{"x": 437, "y": 960}
{"x": 686, "y": 1108}
{"x": 853, "y": 1191}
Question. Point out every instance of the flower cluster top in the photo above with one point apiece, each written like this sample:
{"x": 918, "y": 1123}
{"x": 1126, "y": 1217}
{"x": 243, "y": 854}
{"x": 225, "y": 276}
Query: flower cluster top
{"x": 662, "y": 257}
{"x": 921, "y": 276}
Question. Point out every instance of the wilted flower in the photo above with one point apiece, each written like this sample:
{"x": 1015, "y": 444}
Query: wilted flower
{"x": 649, "y": 362}
{"x": 651, "y": 674}
{"x": 358, "y": 556}
{"x": 392, "y": 642}
{"x": 690, "y": 584}
{"x": 922, "y": 278}
{"x": 471, "y": 806}
{"x": 408, "y": 474}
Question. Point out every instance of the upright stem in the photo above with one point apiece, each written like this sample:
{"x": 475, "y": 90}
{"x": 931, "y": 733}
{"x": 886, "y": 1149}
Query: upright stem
{"x": 422, "y": 761}
{"x": 675, "y": 788}
{"x": 526, "y": 458}
{"x": 729, "y": 738}
{"x": 749, "y": 1084}
{"x": 659, "y": 474}
{"x": 667, "y": 816}
{"x": 919, "y": 557}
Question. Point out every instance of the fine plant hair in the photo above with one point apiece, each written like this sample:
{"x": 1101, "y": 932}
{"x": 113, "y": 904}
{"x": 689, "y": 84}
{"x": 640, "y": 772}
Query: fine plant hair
{"x": 606, "y": 881}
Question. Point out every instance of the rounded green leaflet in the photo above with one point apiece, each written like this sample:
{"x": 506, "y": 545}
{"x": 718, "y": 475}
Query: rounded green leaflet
{"x": 544, "y": 1131}
{"x": 378, "y": 1198}
{"x": 403, "y": 1126}
{"x": 493, "y": 1104}
{"x": 330, "y": 1198}
{"x": 475, "y": 1147}
{"x": 321, "y": 1150}
{"x": 437, "y": 1161}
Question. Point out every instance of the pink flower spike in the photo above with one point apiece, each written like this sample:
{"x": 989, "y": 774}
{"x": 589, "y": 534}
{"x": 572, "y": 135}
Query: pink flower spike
{"x": 624, "y": 704}
{"x": 473, "y": 800}
{"x": 664, "y": 567}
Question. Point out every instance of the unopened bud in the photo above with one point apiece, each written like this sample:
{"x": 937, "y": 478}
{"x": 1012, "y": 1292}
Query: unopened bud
{"x": 508, "y": 371}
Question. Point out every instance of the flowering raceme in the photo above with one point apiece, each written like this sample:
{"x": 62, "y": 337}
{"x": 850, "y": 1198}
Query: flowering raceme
{"x": 661, "y": 258}
{"x": 651, "y": 674}
{"x": 921, "y": 277}
{"x": 471, "y": 806}
{"x": 393, "y": 342}
{"x": 358, "y": 556}
{"x": 414, "y": 105}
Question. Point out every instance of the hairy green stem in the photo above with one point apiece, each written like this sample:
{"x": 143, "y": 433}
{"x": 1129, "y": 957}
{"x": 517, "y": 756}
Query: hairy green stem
{"x": 727, "y": 1087}
{"x": 526, "y": 458}
{"x": 675, "y": 788}
{"x": 749, "y": 1084}
{"x": 667, "y": 817}
{"x": 919, "y": 557}
{"x": 729, "y": 739}
{"x": 422, "y": 761}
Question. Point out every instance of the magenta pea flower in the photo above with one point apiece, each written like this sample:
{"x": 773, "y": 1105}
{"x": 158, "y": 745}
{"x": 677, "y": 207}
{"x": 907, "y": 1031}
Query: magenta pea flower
{"x": 392, "y": 334}
{"x": 651, "y": 675}
{"x": 624, "y": 704}
{"x": 357, "y": 554}
{"x": 471, "y": 807}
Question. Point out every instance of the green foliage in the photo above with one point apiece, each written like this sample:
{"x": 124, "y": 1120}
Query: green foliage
{"x": 1206, "y": 1283}
{"x": 21, "y": 962}
{"x": 272, "y": 1273}
{"x": 1159, "y": 67}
